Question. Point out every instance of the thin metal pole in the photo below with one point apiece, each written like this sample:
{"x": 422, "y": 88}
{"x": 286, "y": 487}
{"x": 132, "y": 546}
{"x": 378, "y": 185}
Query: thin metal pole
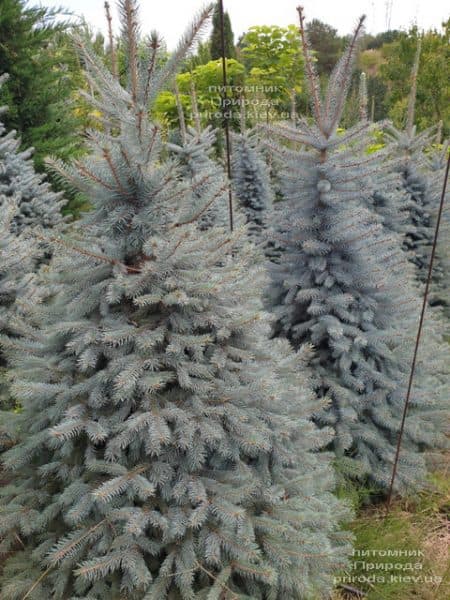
{"x": 419, "y": 335}
{"x": 226, "y": 124}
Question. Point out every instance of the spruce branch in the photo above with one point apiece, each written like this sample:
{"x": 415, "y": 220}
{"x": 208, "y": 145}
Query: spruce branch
{"x": 51, "y": 566}
{"x": 204, "y": 208}
{"x": 99, "y": 257}
{"x": 214, "y": 578}
{"x": 60, "y": 555}
{"x": 288, "y": 133}
{"x": 112, "y": 95}
{"x": 357, "y": 132}
{"x": 311, "y": 74}
{"x": 19, "y": 539}
{"x": 173, "y": 64}
{"x": 64, "y": 176}
{"x": 125, "y": 157}
{"x": 177, "y": 245}
{"x": 155, "y": 131}
{"x": 37, "y": 582}
{"x": 112, "y": 49}
{"x": 196, "y": 185}
{"x": 140, "y": 121}
{"x": 85, "y": 171}
{"x": 113, "y": 169}
{"x": 342, "y": 75}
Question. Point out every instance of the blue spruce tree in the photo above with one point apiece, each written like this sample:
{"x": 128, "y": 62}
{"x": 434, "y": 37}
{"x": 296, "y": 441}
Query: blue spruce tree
{"x": 343, "y": 285}
{"x": 166, "y": 451}
{"x": 389, "y": 200}
{"x": 436, "y": 166}
{"x": 251, "y": 183}
{"x": 410, "y": 201}
{"x": 415, "y": 199}
{"x": 195, "y": 152}
{"x": 26, "y": 202}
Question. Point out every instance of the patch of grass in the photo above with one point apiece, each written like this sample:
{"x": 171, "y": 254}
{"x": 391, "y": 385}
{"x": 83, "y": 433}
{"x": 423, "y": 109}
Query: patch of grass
{"x": 418, "y": 526}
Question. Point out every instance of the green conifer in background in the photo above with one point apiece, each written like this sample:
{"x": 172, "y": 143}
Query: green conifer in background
{"x": 35, "y": 51}
{"x": 216, "y": 35}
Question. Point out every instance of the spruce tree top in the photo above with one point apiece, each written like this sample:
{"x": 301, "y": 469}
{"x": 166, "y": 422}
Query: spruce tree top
{"x": 195, "y": 152}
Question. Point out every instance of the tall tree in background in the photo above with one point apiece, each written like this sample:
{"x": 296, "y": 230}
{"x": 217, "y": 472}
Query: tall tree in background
{"x": 207, "y": 80}
{"x": 202, "y": 56}
{"x": 216, "y": 36}
{"x": 274, "y": 61}
{"x": 36, "y": 53}
{"x": 373, "y": 42}
{"x": 327, "y": 45}
{"x": 433, "y": 91}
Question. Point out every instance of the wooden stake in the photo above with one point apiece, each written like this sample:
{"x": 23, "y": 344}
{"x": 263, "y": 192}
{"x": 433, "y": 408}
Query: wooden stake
{"x": 226, "y": 124}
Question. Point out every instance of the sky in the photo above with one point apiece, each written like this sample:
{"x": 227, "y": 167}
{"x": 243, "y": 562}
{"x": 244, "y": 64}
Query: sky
{"x": 170, "y": 17}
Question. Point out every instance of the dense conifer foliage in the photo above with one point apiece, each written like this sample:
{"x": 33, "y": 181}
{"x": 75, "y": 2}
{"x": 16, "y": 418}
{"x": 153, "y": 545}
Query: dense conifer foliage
{"x": 166, "y": 448}
{"x": 16, "y": 266}
{"x": 344, "y": 286}
{"x": 405, "y": 198}
{"x": 195, "y": 152}
{"x": 37, "y": 203}
{"x": 437, "y": 160}
{"x": 26, "y": 203}
{"x": 251, "y": 184}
